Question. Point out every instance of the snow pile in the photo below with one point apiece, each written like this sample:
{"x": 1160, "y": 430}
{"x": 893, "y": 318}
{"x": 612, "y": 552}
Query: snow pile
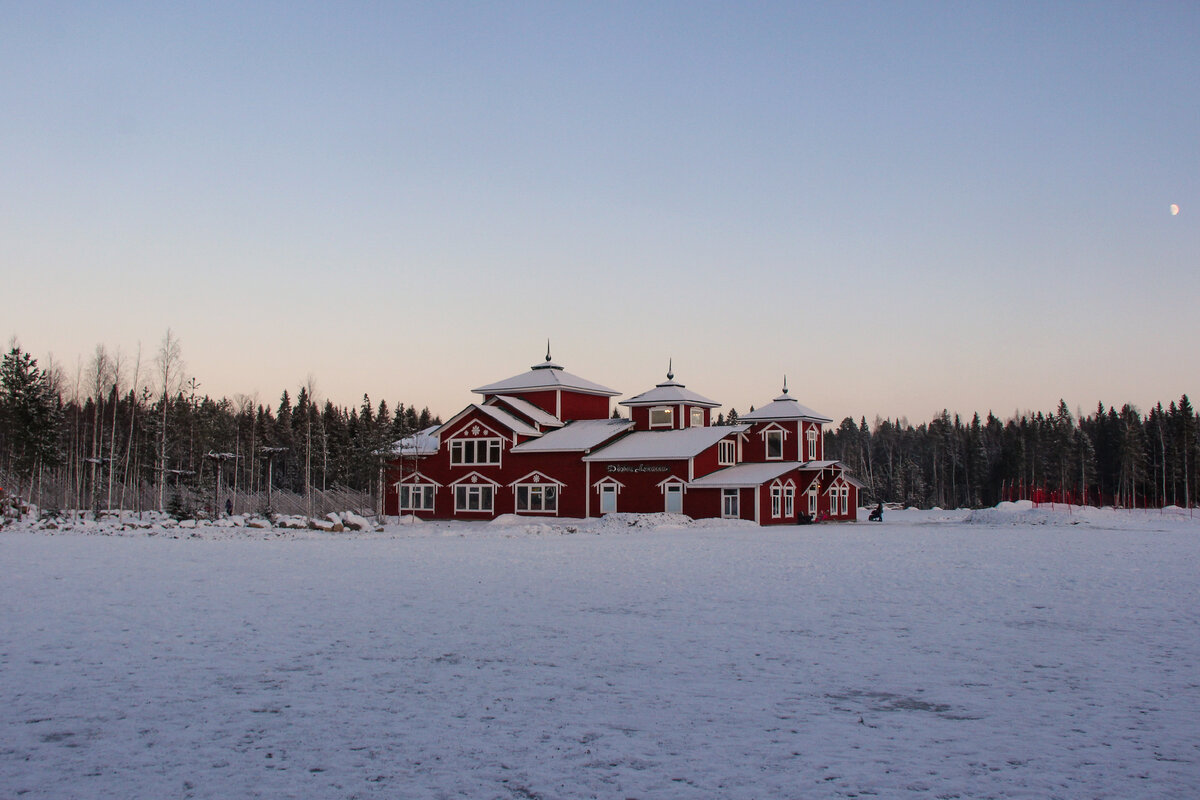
{"x": 634, "y": 523}
{"x": 153, "y": 523}
{"x": 1023, "y": 513}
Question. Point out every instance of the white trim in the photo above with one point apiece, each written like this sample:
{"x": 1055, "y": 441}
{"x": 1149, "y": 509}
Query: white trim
{"x": 730, "y": 444}
{"x": 670, "y": 423}
{"x": 537, "y": 477}
{"x": 475, "y": 477}
{"x": 460, "y": 446}
{"x": 462, "y": 416}
{"x": 415, "y": 476}
{"x": 428, "y": 492}
{"x": 767, "y": 436}
{"x": 606, "y": 486}
{"x": 736, "y": 494}
{"x": 541, "y": 490}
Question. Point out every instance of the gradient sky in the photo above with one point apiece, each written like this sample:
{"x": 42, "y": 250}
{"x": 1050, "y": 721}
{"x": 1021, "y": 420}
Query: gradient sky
{"x": 902, "y": 206}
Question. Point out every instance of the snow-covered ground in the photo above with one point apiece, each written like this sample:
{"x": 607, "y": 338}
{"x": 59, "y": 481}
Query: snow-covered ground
{"x": 1012, "y": 652}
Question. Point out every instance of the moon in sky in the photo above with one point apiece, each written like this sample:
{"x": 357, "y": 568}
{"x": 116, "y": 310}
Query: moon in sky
{"x": 1174, "y": 209}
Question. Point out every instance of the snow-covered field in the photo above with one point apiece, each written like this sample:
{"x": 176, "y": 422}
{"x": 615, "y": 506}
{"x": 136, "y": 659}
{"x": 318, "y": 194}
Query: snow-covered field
{"x": 1013, "y": 652}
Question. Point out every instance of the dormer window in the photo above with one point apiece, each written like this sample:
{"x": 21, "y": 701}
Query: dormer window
{"x": 812, "y": 444}
{"x": 470, "y": 452}
{"x": 726, "y": 453}
{"x": 662, "y": 417}
{"x": 697, "y": 418}
{"x": 774, "y": 445}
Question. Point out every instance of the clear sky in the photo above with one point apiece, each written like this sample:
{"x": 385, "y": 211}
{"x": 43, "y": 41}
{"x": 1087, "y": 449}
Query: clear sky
{"x": 902, "y": 206}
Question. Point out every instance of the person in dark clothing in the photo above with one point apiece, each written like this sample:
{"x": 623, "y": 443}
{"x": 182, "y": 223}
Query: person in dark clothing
{"x": 877, "y": 514}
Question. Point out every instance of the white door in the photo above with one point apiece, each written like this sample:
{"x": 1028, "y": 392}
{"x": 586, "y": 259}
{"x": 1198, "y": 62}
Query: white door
{"x": 674, "y": 494}
{"x": 608, "y": 499}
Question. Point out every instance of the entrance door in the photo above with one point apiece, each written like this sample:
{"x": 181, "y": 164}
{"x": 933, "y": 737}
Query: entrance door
{"x": 608, "y": 499}
{"x": 674, "y": 493}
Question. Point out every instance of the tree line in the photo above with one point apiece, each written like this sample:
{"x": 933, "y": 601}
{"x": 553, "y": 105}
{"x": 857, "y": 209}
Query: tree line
{"x": 134, "y": 436}
{"x": 1111, "y": 456}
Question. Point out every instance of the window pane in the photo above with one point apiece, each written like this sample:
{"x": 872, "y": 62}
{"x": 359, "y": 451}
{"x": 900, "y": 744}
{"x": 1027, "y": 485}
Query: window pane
{"x": 774, "y": 444}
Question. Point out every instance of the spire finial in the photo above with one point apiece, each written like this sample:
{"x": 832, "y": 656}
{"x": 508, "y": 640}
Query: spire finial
{"x": 670, "y": 369}
{"x": 785, "y": 384}
{"x": 547, "y": 350}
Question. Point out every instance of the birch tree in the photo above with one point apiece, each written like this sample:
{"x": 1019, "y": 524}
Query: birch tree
{"x": 169, "y": 364}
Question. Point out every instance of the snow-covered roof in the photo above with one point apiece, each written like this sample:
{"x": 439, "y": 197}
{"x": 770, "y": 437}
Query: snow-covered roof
{"x": 662, "y": 445}
{"x": 528, "y": 409}
{"x": 546, "y": 375}
{"x": 498, "y": 414}
{"x": 670, "y": 392}
{"x": 514, "y": 424}
{"x": 759, "y": 472}
{"x": 421, "y": 443}
{"x": 582, "y": 434}
{"x": 783, "y": 408}
{"x": 743, "y": 475}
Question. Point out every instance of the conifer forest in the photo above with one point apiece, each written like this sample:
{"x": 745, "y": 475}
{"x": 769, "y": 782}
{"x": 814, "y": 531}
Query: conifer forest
{"x": 138, "y": 436}
{"x": 125, "y": 437}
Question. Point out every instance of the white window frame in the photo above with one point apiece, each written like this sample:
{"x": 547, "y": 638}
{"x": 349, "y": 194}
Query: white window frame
{"x": 463, "y": 493}
{"x": 665, "y": 412}
{"x": 696, "y": 417}
{"x": 491, "y": 452}
{"x": 840, "y": 500}
{"x": 812, "y": 502}
{"x": 726, "y": 452}
{"x": 812, "y": 444}
{"x": 546, "y": 495}
{"x": 789, "y": 500}
{"x": 406, "y": 495}
{"x": 731, "y": 503}
{"x": 767, "y": 437}
{"x": 776, "y": 501}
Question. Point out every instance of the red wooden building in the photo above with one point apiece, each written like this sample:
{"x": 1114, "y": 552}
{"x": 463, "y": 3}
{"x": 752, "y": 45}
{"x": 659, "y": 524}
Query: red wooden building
{"x": 542, "y": 443}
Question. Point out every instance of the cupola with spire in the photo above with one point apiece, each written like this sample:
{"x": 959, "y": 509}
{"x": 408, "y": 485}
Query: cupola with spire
{"x": 554, "y": 390}
{"x": 670, "y": 405}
